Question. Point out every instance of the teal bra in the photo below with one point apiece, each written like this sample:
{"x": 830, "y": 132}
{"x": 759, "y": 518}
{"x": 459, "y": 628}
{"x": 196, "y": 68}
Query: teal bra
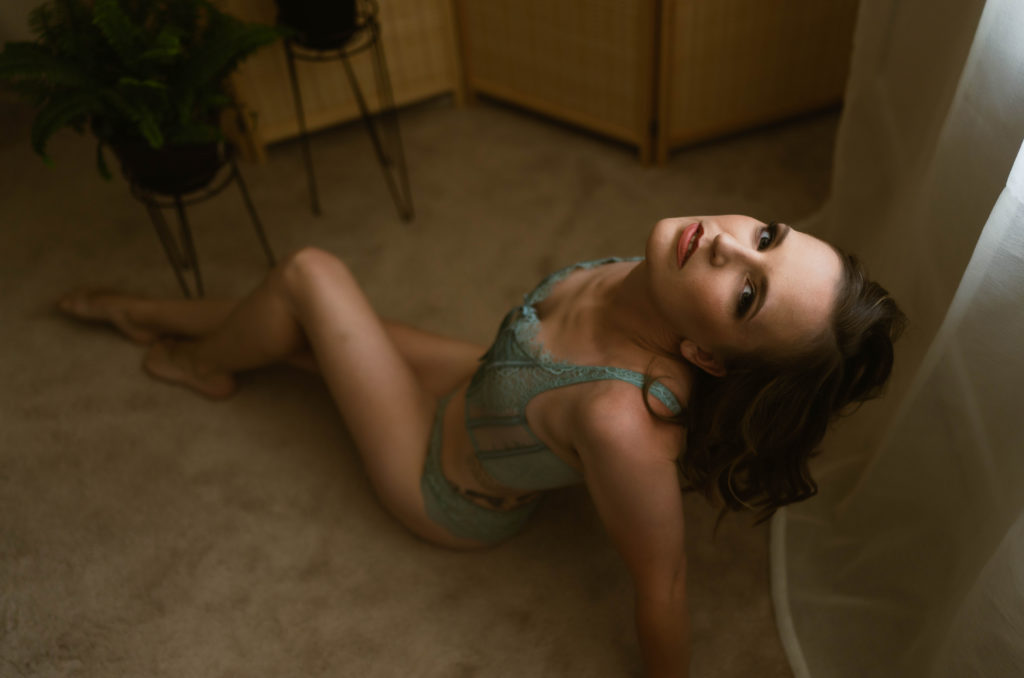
{"x": 514, "y": 370}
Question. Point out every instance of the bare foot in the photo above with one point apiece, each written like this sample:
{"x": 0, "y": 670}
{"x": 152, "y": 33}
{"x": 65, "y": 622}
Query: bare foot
{"x": 106, "y": 307}
{"x": 169, "y": 361}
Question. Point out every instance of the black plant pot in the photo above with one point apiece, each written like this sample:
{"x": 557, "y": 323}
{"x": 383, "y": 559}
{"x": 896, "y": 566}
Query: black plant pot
{"x": 171, "y": 170}
{"x": 319, "y": 24}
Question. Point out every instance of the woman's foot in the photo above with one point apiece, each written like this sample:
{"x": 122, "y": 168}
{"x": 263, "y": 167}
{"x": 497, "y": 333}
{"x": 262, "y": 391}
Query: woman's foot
{"x": 170, "y": 361}
{"x": 106, "y": 307}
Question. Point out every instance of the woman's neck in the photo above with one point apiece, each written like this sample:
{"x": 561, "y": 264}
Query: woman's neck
{"x": 626, "y": 312}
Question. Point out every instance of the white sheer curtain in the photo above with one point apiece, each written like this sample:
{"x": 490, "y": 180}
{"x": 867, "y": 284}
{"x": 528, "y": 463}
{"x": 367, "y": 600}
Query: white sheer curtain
{"x": 911, "y": 561}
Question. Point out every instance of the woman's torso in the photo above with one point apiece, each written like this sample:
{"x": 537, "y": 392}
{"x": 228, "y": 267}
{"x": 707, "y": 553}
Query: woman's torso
{"x": 558, "y": 330}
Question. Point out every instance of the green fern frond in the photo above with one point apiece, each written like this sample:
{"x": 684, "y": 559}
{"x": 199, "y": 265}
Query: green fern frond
{"x": 116, "y": 103}
{"x": 184, "y": 15}
{"x": 129, "y": 82}
{"x": 21, "y": 61}
{"x": 32, "y": 92}
{"x": 118, "y": 109}
{"x": 225, "y": 42}
{"x": 40, "y": 19}
{"x": 165, "y": 48}
{"x": 67, "y": 28}
{"x": 135, "y": 117}
{"x": 127, "y": 39}
{"x": 147, "y": 95}
{"x": 186, "y": 106}
{"x": 58, "y": 114}
{"x": 214, "y": 100}
{"x": 150, "y": 130}
{"x": 101, "y": 162}
{"x": 151, "y": 69}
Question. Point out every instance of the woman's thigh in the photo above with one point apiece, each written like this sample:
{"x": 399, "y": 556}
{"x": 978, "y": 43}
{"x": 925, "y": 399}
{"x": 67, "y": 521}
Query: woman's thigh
{"x": 387, "y": 409}
{"x": 441, "y": 363}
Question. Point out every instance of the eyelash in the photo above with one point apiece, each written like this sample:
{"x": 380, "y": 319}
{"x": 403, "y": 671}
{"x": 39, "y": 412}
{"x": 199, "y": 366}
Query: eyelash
{"x": 771, "y": 230}
{"x": 748, "y": 293}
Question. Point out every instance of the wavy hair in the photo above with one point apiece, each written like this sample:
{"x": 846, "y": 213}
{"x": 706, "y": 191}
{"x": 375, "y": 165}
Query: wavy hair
{"x": 751, "y": 433}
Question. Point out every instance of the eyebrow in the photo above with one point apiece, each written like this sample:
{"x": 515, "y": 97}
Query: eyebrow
{"x": 784, "y": 230}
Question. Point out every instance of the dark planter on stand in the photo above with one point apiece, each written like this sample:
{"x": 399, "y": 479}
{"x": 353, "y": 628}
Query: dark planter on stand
{"x": 171, "y": 170}
{"x": 319, "y": 24}
{"x": 327, "y": 30}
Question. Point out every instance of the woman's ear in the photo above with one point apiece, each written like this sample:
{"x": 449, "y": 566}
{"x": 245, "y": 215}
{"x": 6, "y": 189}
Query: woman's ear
{"x": 701, "y": 358}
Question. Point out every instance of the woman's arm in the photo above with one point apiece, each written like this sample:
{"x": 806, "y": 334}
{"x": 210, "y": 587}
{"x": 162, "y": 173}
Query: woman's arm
{"x": 663, "y": 629}
{"x": 630, "y": 472}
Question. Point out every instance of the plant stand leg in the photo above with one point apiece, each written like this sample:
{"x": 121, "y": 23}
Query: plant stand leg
{"x": 386, "y": 100}
{"x": 170, "y": 246}
{"x": 191, "y": 260}
{"x": 303, "y": 134}
{"x": 252, "y": 215}
{"x": 403, "y": 201}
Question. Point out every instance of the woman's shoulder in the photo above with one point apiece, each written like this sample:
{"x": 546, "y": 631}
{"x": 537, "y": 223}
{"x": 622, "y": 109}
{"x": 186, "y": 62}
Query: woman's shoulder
{"x": 618, "y": 417}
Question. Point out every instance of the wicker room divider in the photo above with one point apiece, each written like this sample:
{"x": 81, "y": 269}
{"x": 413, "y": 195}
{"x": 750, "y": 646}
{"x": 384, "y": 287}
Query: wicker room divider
{"x": 587, "y": 62}
{"x": 730, "y": 65}
{"x": 655, "y": 74}
{"x": 658, "y": 74}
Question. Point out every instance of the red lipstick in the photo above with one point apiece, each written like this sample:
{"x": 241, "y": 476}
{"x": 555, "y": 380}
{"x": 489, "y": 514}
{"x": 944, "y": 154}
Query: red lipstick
{"x": 689, "y": 241}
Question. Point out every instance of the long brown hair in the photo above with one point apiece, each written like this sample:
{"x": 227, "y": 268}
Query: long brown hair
{"x": 751, "y": 433}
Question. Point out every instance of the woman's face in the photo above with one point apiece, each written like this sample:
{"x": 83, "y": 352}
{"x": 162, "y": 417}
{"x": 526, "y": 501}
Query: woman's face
{"x": 732, "y": 285}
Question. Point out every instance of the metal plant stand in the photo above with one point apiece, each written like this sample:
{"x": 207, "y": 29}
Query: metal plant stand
{"x": 384, "y": 131}
{"x": 180, "y": 250}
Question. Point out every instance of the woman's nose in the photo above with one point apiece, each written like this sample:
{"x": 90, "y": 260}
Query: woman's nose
{"x": 726, "y": 249}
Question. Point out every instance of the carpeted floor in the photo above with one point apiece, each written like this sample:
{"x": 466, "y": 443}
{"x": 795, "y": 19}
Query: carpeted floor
{"x": 147, "y": 532}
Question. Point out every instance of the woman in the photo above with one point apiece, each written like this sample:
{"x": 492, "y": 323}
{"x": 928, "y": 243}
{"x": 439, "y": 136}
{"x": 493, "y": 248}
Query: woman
{"x": 722, "y": 354}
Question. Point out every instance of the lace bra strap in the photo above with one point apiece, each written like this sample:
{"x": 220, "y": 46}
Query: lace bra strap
{"x": 576, "y": 374}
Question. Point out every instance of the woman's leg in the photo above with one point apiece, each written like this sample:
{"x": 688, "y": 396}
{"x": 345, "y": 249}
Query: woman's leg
{"x": 439, "y": 362}
{"x": 312, "y": 299}
{"x": 145, "y": 320}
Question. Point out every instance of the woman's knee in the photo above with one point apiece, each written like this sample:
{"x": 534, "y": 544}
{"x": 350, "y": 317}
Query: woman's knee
{"x": 310, "y": 268}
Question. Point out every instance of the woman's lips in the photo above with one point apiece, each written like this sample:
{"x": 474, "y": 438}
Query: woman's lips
{"x": 689, "y": 241}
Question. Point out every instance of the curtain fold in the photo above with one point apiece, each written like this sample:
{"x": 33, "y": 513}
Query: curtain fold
{"x": 976, "y": 646}
{"x": 904, "y": 565}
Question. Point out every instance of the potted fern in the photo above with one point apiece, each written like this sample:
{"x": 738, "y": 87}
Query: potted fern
{"x": 146, "y": 77}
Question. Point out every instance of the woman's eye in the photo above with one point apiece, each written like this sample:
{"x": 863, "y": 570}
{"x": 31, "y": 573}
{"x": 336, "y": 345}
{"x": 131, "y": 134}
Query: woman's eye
{"x": 746, "y": 299}
{"x": 767, "y": 236}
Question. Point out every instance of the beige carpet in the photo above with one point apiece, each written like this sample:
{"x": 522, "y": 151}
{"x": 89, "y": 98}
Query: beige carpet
{"x": 147, "y": 532}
